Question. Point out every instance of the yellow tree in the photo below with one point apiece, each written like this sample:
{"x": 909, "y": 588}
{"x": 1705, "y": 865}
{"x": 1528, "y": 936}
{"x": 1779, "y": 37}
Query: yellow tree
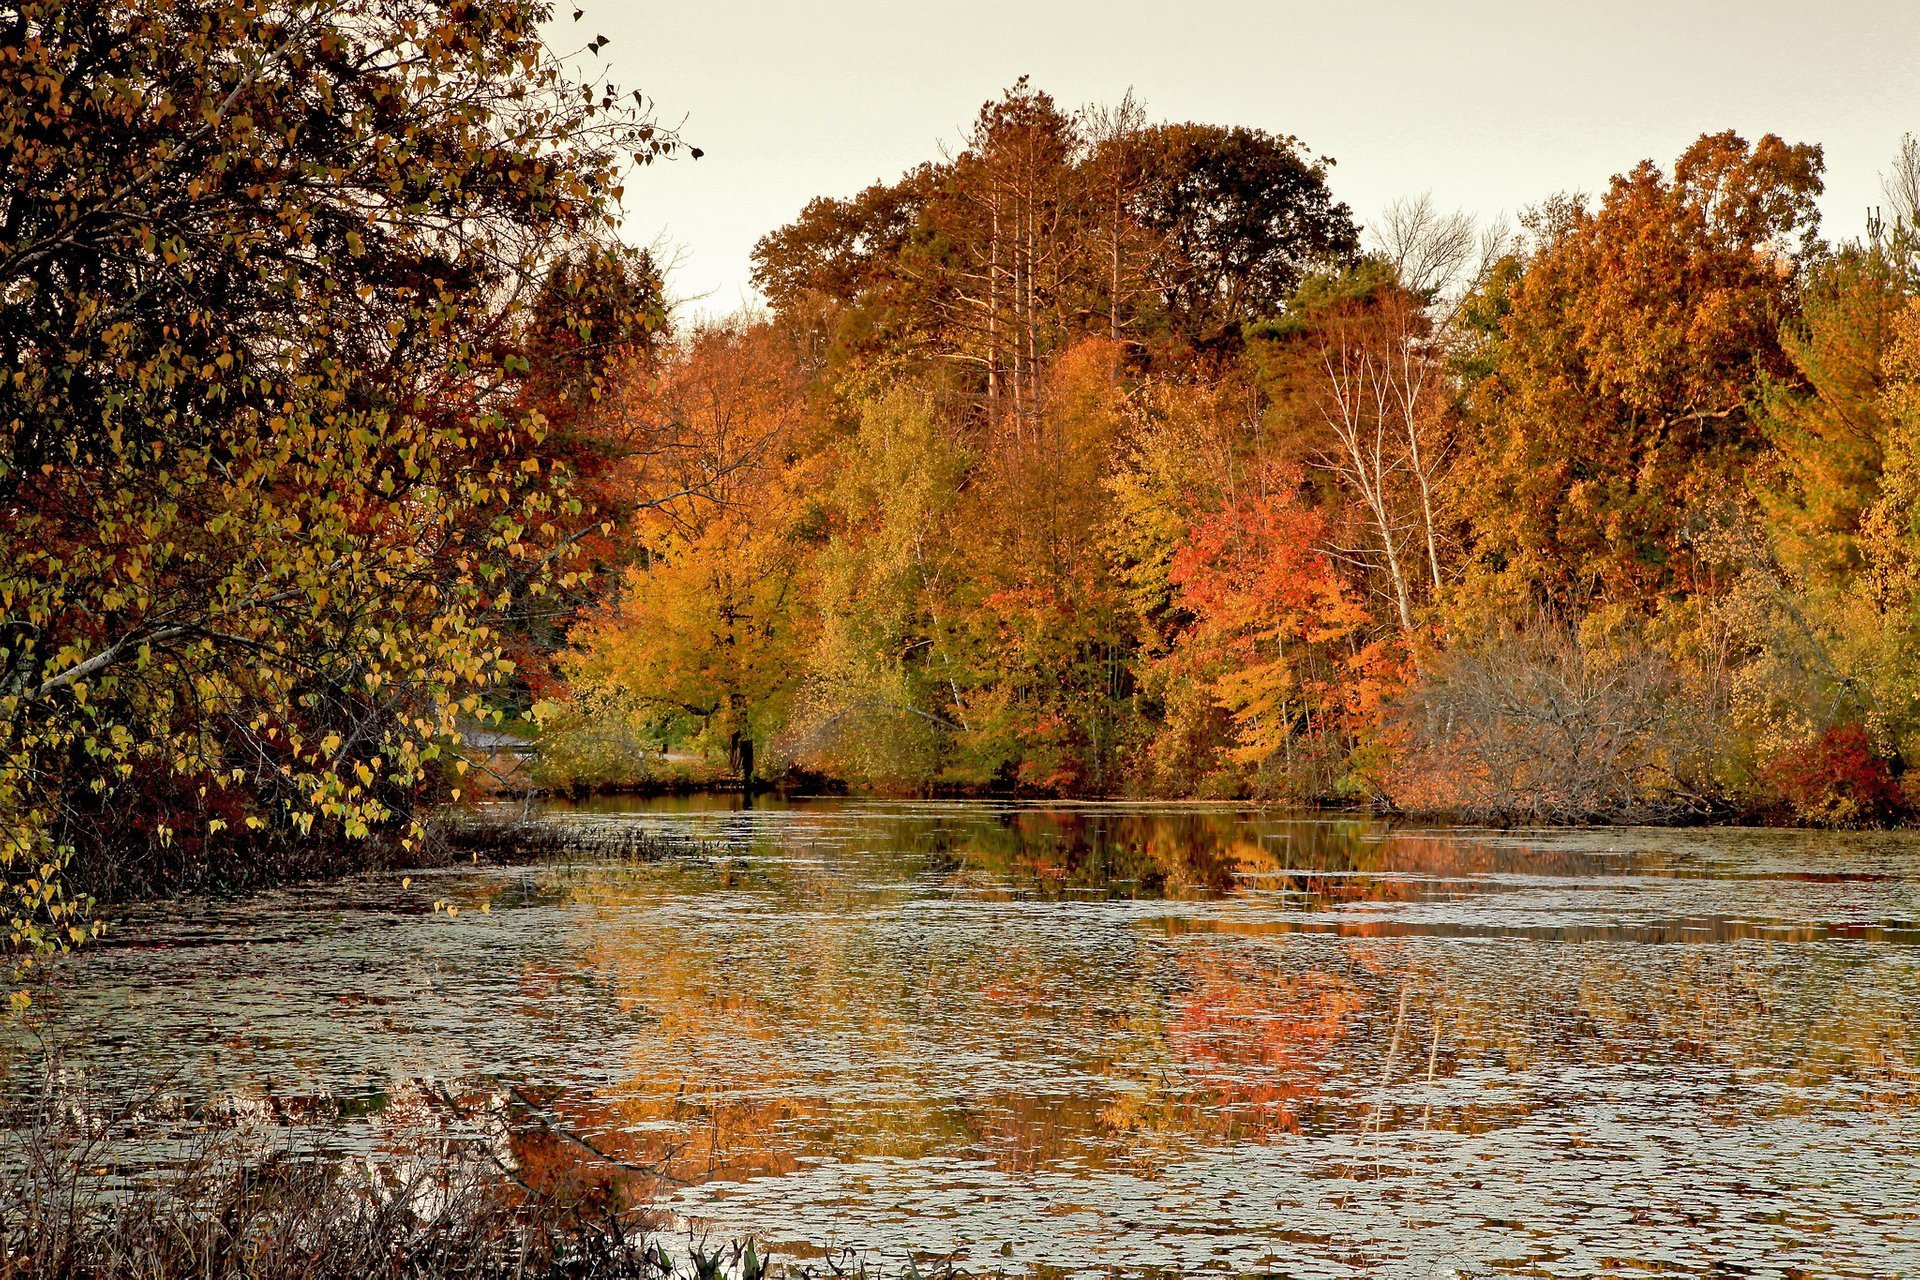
{"x": 705, "y": 635}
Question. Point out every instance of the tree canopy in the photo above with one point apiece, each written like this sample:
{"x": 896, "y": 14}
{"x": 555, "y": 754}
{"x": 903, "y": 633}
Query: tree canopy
{"x": 274, "y": 463}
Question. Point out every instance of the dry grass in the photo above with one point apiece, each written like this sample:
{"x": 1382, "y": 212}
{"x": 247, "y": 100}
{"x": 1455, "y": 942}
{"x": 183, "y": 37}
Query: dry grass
{"x": 228, "y": 1209}
{"x": 222, "y": 1213}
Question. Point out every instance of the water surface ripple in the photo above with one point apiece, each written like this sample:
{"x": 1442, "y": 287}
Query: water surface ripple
{"x": 1091, "y": 1037}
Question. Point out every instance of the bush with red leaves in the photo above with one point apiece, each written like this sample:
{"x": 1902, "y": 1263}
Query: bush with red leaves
{"x": 1836, "y": 779}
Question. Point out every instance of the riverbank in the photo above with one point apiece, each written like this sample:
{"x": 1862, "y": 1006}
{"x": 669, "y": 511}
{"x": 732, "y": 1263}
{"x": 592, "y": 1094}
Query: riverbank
{"x": 494, "y": 830}
{"x": 1687, "y": 811}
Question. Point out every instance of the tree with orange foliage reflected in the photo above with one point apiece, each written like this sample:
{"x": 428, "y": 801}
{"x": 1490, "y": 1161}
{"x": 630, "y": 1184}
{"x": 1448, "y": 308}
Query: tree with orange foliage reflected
{"x": 1257, "y": 1040}
{"x": 1279, "y": 635}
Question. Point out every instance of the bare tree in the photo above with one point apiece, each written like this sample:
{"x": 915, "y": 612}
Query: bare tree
{"x": 1901, "y": 184}
{"x": 1498, "y": 240}
{"x": 1414, "y": 380}
{"x": 1384, "y": 403}
{"x": 1535, "y": 724}
{"x": 1368, "y": 457}
{"x": 1430, "y": 251}
{"x": 1116, "y": 176}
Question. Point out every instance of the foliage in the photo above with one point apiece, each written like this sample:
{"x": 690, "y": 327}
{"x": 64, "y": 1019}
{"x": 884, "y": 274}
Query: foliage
{"x": 271, "y": 482}
{"x": 1273, "y": 621}
{"x": 1615, "y": 410}
{"x": 1837, "y": 780}
{"x": 870, "y": 709}
{"x": 703, "y": 635}
{"x": 1093, "y": 457}
{"x": 1043, "y": 617}
{"x": 1827, "y": 425}
{"x": 1358, "y": 375}
{"x": 1821, "y": 599}
{"x": 1138, "y": 476}
{"x": 1049, "y": 227}
{"x": 1243, "y": 217}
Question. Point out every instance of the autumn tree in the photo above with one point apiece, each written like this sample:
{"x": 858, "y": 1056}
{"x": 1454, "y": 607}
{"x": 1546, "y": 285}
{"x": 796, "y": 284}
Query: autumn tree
{"x": 704, "y": 635}
{"x": 1118, "y": 247}
{"x": 1828, "y": 422}
{"x": 832, "y": 273}
{"x": 1049, "y": 639}
{"x": 1279, "y": 636}
{"x": 1001, "y": 257}
{"x": 1616, "y": 392}
{"x": 268, "y": 479}
{"x": 1359, "y": 374}
{"x": 1824, "y": 602}
{"x": 1187, "y": 450}
{"x": 1050, "y": 226}
{"x": 595, "y": 318}
{"x": 881, "y": 702}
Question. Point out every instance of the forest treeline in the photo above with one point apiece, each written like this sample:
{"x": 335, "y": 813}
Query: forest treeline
{"x": 1109, "y": 457}
{"x": 1099, "y": 457}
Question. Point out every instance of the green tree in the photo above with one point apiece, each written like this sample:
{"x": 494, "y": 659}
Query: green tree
{"x": 1242, "y": 217}
{"x": 1828, "y": 422}
{"x": 882, "y": 702}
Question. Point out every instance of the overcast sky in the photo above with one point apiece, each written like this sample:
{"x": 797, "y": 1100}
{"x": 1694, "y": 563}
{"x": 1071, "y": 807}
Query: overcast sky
{"x": 1488, "y": 104}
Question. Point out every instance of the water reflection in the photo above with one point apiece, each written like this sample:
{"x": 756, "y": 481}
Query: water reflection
{"x": 1186, "y": 1036}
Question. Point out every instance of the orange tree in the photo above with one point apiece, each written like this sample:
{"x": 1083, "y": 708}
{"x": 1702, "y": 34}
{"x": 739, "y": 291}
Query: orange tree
{"x": 1616, "y": 385}
{"x": 268, "y": 472}
{"x": 1279, "y": 637}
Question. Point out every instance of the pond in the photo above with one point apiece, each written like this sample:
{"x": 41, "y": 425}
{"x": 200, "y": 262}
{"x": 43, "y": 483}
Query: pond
{"x": 1086, "y": 1037}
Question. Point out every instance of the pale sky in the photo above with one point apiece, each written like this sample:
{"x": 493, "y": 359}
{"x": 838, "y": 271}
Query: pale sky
{"x": 1490, "y": 105}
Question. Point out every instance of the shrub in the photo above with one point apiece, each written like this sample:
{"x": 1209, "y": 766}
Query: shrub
{"x": 1538, "y": 724}
{"x": 1836, "y": 779}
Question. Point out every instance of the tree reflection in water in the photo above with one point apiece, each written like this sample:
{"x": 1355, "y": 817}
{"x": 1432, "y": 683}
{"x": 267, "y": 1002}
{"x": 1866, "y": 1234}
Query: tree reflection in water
{"x": 959, "y": 1023}
{"x": 1258, "y": 1041}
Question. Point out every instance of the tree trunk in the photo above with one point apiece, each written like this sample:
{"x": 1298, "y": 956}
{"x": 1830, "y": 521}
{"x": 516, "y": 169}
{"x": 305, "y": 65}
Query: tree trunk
{"x": 740, "y": 758}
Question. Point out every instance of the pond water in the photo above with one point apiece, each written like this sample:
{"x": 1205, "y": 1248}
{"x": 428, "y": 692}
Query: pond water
{"x": 1094, "y": 1036}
